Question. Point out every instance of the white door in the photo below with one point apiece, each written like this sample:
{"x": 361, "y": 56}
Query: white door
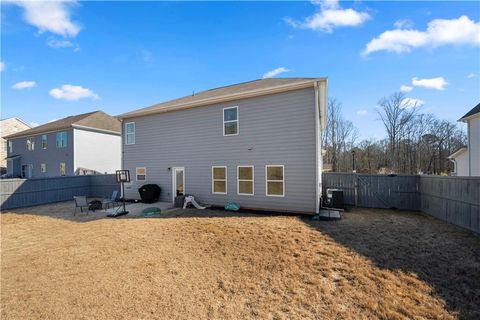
{"x": 178, "y": 182}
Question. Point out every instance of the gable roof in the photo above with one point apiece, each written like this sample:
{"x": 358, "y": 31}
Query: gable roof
{"x": 457, "y": 152}
{"x": 17, "y": 119}
{"x": 470, "y": 113}
{"x": 92, "y": 120}
{"x": 228, "y": 93}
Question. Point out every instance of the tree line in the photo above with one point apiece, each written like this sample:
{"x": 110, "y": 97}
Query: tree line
{"x": 415, "y": 142}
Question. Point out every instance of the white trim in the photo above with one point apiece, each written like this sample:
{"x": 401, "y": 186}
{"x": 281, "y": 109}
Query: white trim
{"x": 237, "y": 121}
{"x": 46, "y": 140}
{"x": 41, "y": 167}
{"x": 225, "y": 98}
{"x": 266, "y": 180}
{"x": 9, "y": 146}
{"x": 174, "y": 182}
{"x": 32, "y": 143}
{"x": 136, "y": 173}
{"x": 252, "y": 180}
{"x": 226, "y": 180}
{"x": 134, "y": 132}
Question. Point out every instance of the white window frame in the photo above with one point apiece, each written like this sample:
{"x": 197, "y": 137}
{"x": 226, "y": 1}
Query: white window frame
{"x": 266, "y": 180}
{"x": 237, "y": 121}
{"x": 60, "y": 169}
{"x": 131, "y": 133}
{"x": 136, "y": 173}
{"x": 60, "y": 134}
{"x": 226, "y": 180}
{"x": 30, "y": 144}
{"x": 10, "y": 146}
{"x": 252, "y": 180}
{"x": 44, "y": 147}
{"x": 43, "y": 168}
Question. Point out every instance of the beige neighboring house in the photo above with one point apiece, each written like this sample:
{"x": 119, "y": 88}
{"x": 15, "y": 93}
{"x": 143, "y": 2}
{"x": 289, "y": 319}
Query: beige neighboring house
{"x": 7, "y": 127}
{"x": 467, "y": 159}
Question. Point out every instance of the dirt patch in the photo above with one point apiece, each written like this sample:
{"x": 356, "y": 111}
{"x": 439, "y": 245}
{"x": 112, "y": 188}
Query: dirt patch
{"x": 210, "y": 265}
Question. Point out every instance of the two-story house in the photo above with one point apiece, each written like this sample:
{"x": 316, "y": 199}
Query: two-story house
{"x": 466, "y": 160}
{"x": 7, "y": 127}
{"x": 88, "y": 143}
{"x": 255, "y": 143}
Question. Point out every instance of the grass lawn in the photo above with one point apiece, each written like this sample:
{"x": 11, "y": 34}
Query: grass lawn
{"x": 212, "y": 265}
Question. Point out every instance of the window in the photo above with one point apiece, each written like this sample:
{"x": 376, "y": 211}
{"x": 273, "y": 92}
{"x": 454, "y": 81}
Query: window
{"x": 61, "y": 139}
{"x": 44, "y": 141}
{"x": 230, "y": 121}
{"x": 63, "y": 169}
{"x": 141, "y": 173}
{"x": 30, "y": 144}
{"x": 275, "y": 181}
{"x": 10, "y": 146}
{"x": 130, "y": 133}
{"x": 245, "y": 180}
{"x": 219, "y": 180}
{"x": 43, "y": 167}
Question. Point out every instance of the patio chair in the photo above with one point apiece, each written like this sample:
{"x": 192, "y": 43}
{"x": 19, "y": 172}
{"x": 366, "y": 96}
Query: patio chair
{"x": 80, "y": 202}
{"x": 112, "y": 201}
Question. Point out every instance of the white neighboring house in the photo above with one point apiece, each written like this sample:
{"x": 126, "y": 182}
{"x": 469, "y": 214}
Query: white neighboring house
{"x": 467, "y": 159}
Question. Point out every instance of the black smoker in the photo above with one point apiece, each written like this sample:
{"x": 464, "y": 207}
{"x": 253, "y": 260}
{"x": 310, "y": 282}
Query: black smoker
{"x": 149, "y": 193}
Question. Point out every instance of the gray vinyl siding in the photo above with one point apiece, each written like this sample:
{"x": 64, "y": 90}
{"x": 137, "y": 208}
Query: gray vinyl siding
{"x": 274, "y": 129}
{"x": 52, "y": 156}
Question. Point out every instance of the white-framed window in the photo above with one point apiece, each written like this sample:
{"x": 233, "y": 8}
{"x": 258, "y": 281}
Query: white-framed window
{"x": 61, "y": 139}
{"x": 30, "y": 144}
{"x": 10, "y": 146}
{"x": 43, "y": 167}
{"x": 63, "y": 169}
{"x": 245, "y": 180}
{"x": 275, "y": 180}
{"x": 230, "y": 121}
{"x": 44, "y": 141}
{"x": 141, "y": 173}
{"x": 219, "y": 180}
{"x": 130, "y": 133}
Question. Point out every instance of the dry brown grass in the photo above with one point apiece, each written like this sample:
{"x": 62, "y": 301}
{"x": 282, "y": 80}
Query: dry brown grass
{"x": 208, "y": 265}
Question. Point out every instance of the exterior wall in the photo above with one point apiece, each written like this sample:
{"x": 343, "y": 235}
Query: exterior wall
{"x": 276, "y": 129}
{"x": 474, "y": 146}
{"x": 95, "y": 151}
{"x": 52, "y": 156}
{"x": 7, "y": 127}
{"x": 461, "y": 165}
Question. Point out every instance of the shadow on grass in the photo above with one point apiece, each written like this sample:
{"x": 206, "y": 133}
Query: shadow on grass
{"x": 442, "y": 255}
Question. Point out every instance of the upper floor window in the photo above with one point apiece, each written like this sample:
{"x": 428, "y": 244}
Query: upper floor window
{"x": 30, "y": 144}
{"x": 130, "y": 133}
{"x": 10, "y": 146}
{"x": 141, "y": 173}
{"x": 230, "y": 121}
{"x": 61, "y": 139}
{"x": 275, "y": 181}
{"x": 44, "y": 141}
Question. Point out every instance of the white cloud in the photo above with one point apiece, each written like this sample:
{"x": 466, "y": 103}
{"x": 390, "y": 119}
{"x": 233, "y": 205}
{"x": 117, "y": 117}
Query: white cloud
{"x": 437, "y": 83}
{"x": 2, "y": 66}
{"x": 72, "y": 93}
{"x": 24, "y": 85}
{"x": 412, "y": 103}
{"x": 362, "y": 112}
{"x": 472, "y": 75}
{"x": 330, "y": 16}
{"x": 440, "y": 32}
{"x": 59, "y": 43}
{"x": 275, "y": 72}
{"x": 405, "y": 88}
{"x": 51, "y": 16}
{"x": 34, "y": 124}
{"x": 403, "y": 23}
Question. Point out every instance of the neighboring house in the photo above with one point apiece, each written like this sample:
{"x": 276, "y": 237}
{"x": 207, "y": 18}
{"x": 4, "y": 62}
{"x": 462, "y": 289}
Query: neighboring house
{"x": 255, "y": 143}
{"x": 467, "y": 159}
{"x": 7, "y": 127}
{"x": 88, "y": 143}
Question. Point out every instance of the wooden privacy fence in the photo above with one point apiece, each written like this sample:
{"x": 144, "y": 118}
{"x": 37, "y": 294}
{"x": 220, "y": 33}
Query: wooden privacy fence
{"x": 452, "y": 199}
{"x": 15, "y": 193}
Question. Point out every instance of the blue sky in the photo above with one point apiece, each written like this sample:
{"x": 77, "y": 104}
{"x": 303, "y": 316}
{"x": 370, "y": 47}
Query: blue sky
{"x": 62, "y": 59}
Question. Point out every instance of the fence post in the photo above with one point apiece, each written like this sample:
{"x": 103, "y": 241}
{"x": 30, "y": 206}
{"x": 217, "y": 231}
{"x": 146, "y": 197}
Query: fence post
{"x": 355, "y": 184}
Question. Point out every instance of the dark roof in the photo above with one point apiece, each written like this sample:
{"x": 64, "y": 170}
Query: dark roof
{"x": 475, "y": 110}
{"x": 226, "y": 92}
{"x": 96, "y": 120}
